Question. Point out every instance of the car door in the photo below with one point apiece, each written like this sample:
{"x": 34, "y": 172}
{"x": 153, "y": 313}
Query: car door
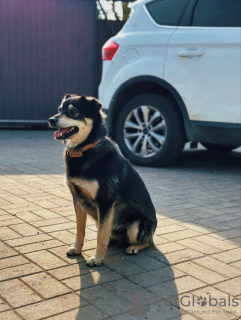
{"x": 204, "y": 61}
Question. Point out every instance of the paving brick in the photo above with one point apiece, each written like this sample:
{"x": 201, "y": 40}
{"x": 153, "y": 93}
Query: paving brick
{"x": 212, "y": 225}
{"x": 25, "y": 229}
{"x": 229, "y": 256}
{"x": 169, "y": 247}
{"x": 123, "y": 265}
{"x": 17, "y": 293}
{"x": 159, "y": 253}
{"x": 236, "y": 241}
{"x": 234, "y": 223}
{"x": 218, "y": 266}
{"x": 50, "y": 307}
{"x": 91, "y": 279}
{"x": 45, "y": 259}
{"x": 61, "y": 253}
{"x": 127, "y": 289}
{"x": 200, "y": 272}
{"x": 159, "y": 240}
{"x": 181, "y": 285}
{"x": 220, "y": 244}
{"x": 18, "y": 271}
{"x": 6, "y": 251}
{"x": 199, "y": 246}
{"x": 3, "y": 306}
{"x": 179, "y": 235}
{"x": 6, "y": 216}
{"x": 44, "y": 284}
{"x": 144, "y": 261}
{"x": 236, "y": 264}
{"x": 231, "y": 286}
{"x": 185, "y": 317}
{"x": 46, "y": 214}
{"x": 91, "y": 244}
{"x": 11, "y": 222}
{"x": 28, "y": 216}
{"x": 49, "y": 222}
{"x": 152, "y": 278}
{"x": 12, "y": 262}
{"x": 64, "y": 236}
{"x": 77, "y": 269}
{"x": 16, "y": 209}
{"x": 151, "y": 313}
{"x": 227, "y": 234}
{"x": 9, "y": 315}
{"x": 167, "y": 229}
{"x": 39, "y": 246}
{"x": 45, "y": 204}
{"x": 185, "y": 205}
{"x": 180, "y": 256}
{"x": 83, "y": 313}
{"x": 27, "y": 240}
{"x": 101, "y": 298}
{"x": 89, "y": 235}
{"x": 60, "y": 226}
{"x": 194, "y": 226}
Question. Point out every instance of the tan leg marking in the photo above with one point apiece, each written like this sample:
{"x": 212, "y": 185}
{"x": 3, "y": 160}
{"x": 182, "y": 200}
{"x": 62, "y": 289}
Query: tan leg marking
{"x": 132, "y": 232}
{"x": 103, "y": 238}
{"x": 81, "y": 217}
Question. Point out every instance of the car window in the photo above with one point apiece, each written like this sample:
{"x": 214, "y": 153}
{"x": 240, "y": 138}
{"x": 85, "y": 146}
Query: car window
{"x": 217, "y": 13}
{"x": 167, "y": 12}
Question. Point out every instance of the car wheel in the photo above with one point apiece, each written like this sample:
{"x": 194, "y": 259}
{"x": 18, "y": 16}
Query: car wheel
{"x": 150, "y": 131}
{"x": 218, "y": 148}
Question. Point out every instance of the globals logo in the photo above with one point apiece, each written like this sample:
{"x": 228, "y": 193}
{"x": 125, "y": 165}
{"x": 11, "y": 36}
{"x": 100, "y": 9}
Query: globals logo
{"x": 194, "y": 304}
{"x": 187, "y": 301}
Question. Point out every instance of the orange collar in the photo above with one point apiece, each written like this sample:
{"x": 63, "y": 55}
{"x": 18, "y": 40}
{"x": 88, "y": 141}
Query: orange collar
{"x": 77, "y": 153}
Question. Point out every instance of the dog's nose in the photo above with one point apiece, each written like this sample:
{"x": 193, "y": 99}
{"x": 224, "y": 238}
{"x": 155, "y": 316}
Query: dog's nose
{"x": 53, "y": 120}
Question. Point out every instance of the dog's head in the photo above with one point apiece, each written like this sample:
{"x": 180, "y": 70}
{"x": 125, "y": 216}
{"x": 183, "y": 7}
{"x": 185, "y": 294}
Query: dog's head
{"x": 75, "y": 118}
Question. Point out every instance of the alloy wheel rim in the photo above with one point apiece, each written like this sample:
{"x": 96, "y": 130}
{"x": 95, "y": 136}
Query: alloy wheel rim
{"x": 145, "y": 131}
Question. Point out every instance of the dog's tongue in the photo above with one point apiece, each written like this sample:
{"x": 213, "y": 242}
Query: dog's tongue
{"x": 60, "y": 132}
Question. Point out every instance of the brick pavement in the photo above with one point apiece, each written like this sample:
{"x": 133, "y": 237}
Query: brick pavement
{"x": 197, "y": 254}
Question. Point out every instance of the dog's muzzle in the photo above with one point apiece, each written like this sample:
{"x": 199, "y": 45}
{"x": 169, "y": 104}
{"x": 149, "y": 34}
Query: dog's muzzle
{"x": 53, "y": 121}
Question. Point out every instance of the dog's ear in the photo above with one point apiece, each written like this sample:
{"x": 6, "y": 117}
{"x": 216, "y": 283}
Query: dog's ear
{"x": 93, "y": 106}
{"x": 68, "y": 95}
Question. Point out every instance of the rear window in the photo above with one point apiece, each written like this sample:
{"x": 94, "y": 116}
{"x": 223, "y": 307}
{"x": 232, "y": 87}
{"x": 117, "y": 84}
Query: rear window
{"x": 217, "y": 13}
{"x": 167, "y": 12}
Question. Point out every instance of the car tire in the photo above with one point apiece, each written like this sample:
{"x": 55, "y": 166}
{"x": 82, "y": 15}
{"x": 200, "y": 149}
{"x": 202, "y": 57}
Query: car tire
{"x": 150, "y": 130}
{"x": 218, "y": 147}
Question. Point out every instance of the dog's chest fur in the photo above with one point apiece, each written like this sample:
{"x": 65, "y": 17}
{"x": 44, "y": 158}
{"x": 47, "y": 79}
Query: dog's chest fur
{"x": 84, "y": 194}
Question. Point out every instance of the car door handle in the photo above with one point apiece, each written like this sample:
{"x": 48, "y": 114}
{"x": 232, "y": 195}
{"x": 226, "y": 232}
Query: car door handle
{"x": 190, "y": 53}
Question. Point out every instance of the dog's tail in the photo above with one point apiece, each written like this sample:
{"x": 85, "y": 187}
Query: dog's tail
{"x": 146, "y": 231}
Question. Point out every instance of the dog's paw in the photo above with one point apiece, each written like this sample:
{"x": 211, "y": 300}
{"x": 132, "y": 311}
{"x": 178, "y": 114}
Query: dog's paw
{"x": 132, "y": 250}
{"x": 73, "y": 251}
{"x": 94, "y": 261}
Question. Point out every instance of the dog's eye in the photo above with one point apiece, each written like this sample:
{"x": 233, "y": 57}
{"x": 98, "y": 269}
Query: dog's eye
{"x": 73, "y": 112}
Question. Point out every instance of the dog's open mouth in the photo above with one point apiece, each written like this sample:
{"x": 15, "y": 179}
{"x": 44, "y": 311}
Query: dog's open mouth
{"x": 65, "y": 133}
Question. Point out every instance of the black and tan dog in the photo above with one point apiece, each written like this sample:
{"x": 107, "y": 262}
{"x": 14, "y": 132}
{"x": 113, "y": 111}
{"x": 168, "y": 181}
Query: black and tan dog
{"x": 102, "y": 182}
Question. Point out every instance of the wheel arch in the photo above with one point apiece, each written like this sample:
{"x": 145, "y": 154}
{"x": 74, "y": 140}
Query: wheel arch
{"x": 144, "y": 84}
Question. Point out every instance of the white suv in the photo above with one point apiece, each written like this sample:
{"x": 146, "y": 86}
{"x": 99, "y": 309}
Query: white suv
{"x": 173, "y": 75}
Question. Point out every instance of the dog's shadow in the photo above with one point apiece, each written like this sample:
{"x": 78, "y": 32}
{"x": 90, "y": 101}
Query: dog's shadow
{"x": 126, "y": 287}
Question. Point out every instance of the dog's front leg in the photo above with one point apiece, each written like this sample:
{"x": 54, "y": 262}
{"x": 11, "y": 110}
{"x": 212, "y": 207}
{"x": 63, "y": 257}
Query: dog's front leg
{"x": 103, "y": 238}
{"x": 81, "y": 217}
